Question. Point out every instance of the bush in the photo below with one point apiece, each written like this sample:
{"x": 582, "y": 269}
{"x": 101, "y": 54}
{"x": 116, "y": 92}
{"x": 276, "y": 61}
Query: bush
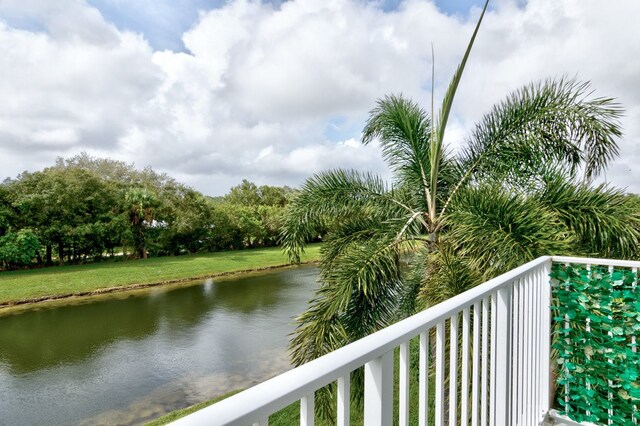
{"x": 18, "y": 248}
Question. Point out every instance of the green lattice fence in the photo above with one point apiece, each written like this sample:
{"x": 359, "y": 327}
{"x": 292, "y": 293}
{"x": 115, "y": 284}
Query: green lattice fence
{"x": 596, "y": 321}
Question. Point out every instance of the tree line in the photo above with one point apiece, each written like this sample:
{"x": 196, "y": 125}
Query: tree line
{"x": 87, "y": 209}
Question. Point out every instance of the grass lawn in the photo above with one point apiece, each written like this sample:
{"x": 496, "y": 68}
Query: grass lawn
{"x": 58, "y": 281}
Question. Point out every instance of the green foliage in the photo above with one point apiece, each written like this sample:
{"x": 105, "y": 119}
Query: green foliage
{"x": 497, "y": 230}
{"x": 85, "y": 208}
{"x": 18, "y": 248}
{"x": 141, "y": 205}
{"x": 554, "y": 122}
{"x": 596, "y": 324}
{"x": 603, "y": 220}
{"x": 249, "y": 194}
{"x": 7, "y": 212}
{"x": 444, "y": 275}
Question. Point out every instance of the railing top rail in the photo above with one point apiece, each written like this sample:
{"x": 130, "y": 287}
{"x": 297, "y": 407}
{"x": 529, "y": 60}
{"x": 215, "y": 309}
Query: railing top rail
{"x": 265, "y": 398}
{"x": 594, "y": 261}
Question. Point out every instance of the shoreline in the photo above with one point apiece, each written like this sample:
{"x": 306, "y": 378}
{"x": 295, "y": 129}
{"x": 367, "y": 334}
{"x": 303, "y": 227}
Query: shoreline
{"x": 130, "y": 287}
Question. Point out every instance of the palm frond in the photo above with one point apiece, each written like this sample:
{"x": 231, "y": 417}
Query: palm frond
{"x": 356, "y": 298}
{"x": 324, "y": 199}
{"x": 402, "y": 129}
{"x": 446, "y": 274}
{"x": 554, "y": 122}
{"x": 605, "y": 221}
{"x": 447, "y": 102}
{"x": 498, "y": 231}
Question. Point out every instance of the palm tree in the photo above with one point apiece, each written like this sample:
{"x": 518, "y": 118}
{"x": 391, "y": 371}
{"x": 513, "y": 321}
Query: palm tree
{"x": 520, "y": 188}
{"x": 141, "y": 206}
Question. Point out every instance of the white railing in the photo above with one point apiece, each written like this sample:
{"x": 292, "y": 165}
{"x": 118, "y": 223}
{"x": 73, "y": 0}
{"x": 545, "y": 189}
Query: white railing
{"x": 497, "y": 355}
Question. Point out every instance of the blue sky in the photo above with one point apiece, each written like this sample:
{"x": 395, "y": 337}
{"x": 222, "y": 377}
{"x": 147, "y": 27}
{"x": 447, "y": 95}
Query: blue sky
{"x": 164, "y": 21}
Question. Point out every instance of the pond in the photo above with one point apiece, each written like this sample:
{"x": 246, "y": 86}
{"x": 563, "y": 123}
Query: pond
{"x": 127, "y": 358}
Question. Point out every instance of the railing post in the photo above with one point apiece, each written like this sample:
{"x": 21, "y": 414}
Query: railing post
{"x": 503, "y": 356}
{"x": 378, "y": 391}
{"x": 545, "y": 403}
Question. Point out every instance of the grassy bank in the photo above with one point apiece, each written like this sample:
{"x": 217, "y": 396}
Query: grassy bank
{"x": 175, "y": 415}
{"x": 63, "y": 281}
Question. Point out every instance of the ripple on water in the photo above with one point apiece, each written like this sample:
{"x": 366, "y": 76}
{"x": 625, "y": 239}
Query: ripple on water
{"x": 190, "y": 390}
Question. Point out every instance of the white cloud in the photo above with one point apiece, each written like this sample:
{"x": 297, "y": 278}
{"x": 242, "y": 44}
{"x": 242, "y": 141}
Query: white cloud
{"x": 78, "y": 85}
{"x": 260, "y": 91}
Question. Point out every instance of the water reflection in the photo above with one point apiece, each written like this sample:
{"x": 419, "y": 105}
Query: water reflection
{"x": 162, "y": 349}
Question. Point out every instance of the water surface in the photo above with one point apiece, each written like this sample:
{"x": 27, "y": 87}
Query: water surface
{"x": 128, "y": 358}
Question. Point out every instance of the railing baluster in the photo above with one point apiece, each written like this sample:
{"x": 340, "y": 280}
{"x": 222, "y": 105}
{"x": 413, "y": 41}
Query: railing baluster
{"x": 494, "y": 341}
{"x": 344, "y": 400}
{"x": 521, "y": 351}
{"x": 404, "y": 385}
{"x": 423, "y": 391}
{"x": 515, "y": 343}
{"x": 502, "y": 356}
{"x": 532, "y": 349}
{"x": 530, "y": 352}
{"x": 306, "y": 410}
{"x": 464, "y": 403}
{"x": 440, "y": 342}
{"x": 542, "y": 365}
{"x": 524, "y": 384}
{"x": 485, "y": 353}
{"x": 545, "y": 353}
{"x": 378, "y": 391}
{"x": 536, "y": 345}
{"x": 453, "y": 370}
{"x": 475, "y": 381}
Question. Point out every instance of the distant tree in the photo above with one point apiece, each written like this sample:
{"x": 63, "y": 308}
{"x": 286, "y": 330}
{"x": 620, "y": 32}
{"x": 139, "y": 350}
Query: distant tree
{"x": 244, "y": 194}
{"x": 274, "y": 196}
{"x": 249, "y": 194}
{"x": 190, "y": 223}
{"x": 258, "y": 211}
{"x": 271, "y": 221}
{"x": 7, "y": 211}
{"x": 105, "y": 168}
{"x": 141, "y": 204}
{"x": 83, "y": 207}
{"x": 226, "y": 234}
{"x": 55, "y": 203}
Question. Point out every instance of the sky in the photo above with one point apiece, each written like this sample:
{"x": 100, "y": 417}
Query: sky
{"x": 213, "y": 92}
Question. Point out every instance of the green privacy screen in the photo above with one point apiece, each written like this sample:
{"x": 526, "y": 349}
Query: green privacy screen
{"x": 596, "y": 321}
